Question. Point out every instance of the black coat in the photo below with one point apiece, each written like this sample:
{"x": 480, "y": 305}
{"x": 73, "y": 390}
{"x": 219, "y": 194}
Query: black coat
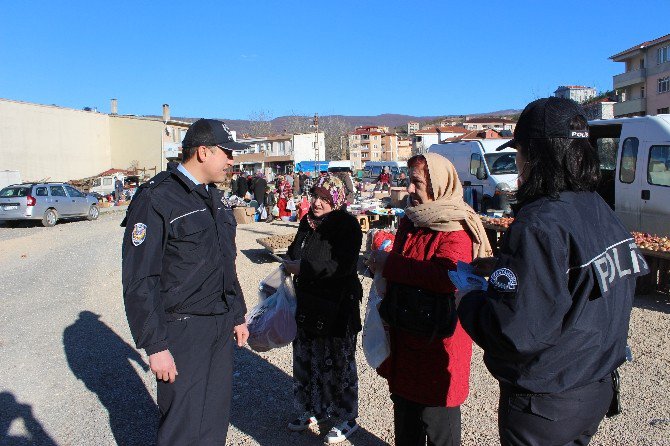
{"x": 259, "y": 189}
{"x": 328, "y": 266}
{"x": 242, "y": 186}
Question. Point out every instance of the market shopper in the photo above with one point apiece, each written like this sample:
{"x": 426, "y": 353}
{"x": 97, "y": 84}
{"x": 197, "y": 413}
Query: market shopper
{"x": 285, "y": 194}
{"x": 258, "y": 187}
{"x": 323, "y": 258}
{"x": 182, "y": 297}
{"x": 403, "y": 181}
{"x": 242, "y": 185}
{"x": 554, "y": 321}
{"x": 384, "y": 179}
{"x": 429, "y": 365}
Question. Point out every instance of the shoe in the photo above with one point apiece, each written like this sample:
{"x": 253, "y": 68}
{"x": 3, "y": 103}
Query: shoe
{"x": 304, "y": 422}
{"x": 341, "y": 432}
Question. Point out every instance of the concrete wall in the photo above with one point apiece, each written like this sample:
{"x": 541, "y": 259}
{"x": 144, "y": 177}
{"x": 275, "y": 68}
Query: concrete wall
{"x": 138, "y": 140}
{"x": 48, "y": 142}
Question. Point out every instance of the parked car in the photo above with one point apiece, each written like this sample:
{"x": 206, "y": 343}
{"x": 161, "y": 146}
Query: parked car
{"x": 47, "y": 202}
{"x": 372, "y": 169}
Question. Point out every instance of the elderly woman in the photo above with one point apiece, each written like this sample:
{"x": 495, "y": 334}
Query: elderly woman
{"x": 429, "y": 365}
{"x": 285, "y": 193}
{"x": 324, "y": 255}
{"x": 553, "y": 323}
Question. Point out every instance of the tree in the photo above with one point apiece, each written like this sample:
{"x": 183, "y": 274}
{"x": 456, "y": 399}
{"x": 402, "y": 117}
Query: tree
{"x": 336, "y": 131}
{"x": 260, "y": 123}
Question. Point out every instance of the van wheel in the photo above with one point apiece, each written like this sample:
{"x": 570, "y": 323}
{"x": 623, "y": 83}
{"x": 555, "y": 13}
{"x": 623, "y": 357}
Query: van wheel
{"x": 93, "y": 213}
{"x": 50, "y": 218}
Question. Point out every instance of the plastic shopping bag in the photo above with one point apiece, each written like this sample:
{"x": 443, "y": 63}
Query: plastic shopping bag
{"x": 376, "y": 343}
{"x": 290, "y": 204}
{"x": 271, "y": 322}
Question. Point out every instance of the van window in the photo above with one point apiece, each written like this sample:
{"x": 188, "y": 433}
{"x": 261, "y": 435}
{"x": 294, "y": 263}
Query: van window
{"x": 628, "y": 160}
{"x": 41, "y": 191}
{"x": 501, "y": 163}
{"x": 607, "y": 152}
{"x": 475, "y": 163}
{"x": 658, "y": 169}
{"x": 107, "y": 181}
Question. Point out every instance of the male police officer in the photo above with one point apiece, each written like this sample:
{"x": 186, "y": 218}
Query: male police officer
{"x": 182, "y": 296}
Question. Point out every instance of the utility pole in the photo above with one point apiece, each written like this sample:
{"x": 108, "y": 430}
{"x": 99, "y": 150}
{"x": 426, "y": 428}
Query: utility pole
{"x": 316, "y": 145}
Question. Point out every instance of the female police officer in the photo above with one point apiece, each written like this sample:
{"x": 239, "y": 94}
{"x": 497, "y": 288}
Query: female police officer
{"x": 554, "y": 321}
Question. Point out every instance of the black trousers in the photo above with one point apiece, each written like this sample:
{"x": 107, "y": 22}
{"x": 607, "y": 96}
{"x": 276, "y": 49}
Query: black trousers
{"x": 195, "y": 409}
{"x": 415, "y": 423}
{"x": 567, "y": 418}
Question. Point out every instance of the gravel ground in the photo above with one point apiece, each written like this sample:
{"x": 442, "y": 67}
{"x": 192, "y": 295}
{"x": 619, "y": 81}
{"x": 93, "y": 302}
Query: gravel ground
{"x": 70, "y": 375}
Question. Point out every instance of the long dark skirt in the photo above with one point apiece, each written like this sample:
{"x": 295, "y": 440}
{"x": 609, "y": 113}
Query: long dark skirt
{"x": 325, "y": 380}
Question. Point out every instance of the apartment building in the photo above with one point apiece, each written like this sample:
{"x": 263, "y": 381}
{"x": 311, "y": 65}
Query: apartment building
{"x": 577, "y": 93}
{"x": 489, "y": 123}
{"x": 279, "y": 153}
{"x": 412, "y": 127}
{"x": 644, "y": 87}
{"x": 365, "y": 144}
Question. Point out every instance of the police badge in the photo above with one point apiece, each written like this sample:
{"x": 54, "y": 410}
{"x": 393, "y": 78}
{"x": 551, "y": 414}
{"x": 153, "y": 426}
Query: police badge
{"x": 139, "y": 233}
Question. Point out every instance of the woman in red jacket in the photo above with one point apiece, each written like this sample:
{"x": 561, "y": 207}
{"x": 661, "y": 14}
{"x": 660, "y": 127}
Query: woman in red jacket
{"x": 428, "y": 375}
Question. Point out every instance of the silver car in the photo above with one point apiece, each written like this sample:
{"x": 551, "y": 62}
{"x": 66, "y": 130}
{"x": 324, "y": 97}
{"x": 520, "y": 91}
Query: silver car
{"x": 47, "y": 202}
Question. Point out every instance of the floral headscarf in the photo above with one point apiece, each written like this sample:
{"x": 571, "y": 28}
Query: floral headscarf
{"x": 331, "y": 189}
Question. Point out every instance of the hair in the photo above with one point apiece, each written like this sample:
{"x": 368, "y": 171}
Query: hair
{"x": 189, "y": 152}
{"x": 420, "y": 162}
{"x": 558, "y": 164}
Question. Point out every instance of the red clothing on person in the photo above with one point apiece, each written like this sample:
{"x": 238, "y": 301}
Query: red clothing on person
{"x": 285, "y": 194}
{"x": 430, "y": 372}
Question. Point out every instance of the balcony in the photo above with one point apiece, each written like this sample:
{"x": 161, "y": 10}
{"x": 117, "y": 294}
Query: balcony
{"x": 631, "y": 107}
{"x": 630, "y": 78}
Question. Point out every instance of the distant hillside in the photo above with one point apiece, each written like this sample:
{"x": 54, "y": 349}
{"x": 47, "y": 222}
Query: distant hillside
{"x": 388, "y": 119}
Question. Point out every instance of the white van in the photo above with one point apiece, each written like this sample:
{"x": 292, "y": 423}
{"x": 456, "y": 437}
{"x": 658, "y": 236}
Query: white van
{"x": 490, "y": 175}
{"x": 341, "y": 166}
{"x": 635, "y": 165}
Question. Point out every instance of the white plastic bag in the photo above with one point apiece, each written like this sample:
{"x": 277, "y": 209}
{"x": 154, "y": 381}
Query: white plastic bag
{"x": 268, "y": 286}
{"x": 376, "y": 343}
{"x": 271, "y": 323}
{"x": 290, "y": 204}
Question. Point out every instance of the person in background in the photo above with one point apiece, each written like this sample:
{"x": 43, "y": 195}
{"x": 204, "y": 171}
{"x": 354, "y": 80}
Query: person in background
{"x": 270, "y": 202}
{"x": 403, "y": 181}
{"x": 242, "y": 186}
{"x": 308, "y": 182}
{"x": 118, "y": 189}
{"x": 289, "y": 180}
{"x": 384, "y": 179}
{"x": 349, "y": 190}
{"x": 301, "y": 183}
{"x": 323, "y": 259}
{"x": 296, "y": 184}
{"x": 285, "y": 193}
{"x": 233, "y": 185}
{"x": 428, "y": 374}
{"x": 259, "y": 185}
{"x": 250, "y": 186}
{"x": 553, "y": 323}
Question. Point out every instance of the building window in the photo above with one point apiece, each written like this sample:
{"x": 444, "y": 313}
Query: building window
{"x": 663, "y": 111}
{"x": 664, "y": 85}
{"x": 658, "y": 170}
{"x": 628, "y": 160}
{"x": 663, "y": 54}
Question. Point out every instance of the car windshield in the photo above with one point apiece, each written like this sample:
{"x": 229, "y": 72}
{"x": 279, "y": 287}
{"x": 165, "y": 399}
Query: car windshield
{"x": 501, "y": 163}
{"x": 15, "y": 191}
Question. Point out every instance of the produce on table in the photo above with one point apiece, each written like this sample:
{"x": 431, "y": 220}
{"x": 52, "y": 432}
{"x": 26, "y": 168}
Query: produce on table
{"x": 652, "y": 242}
{"x": 502, "y": 221}
{"x": 276, "y": 242}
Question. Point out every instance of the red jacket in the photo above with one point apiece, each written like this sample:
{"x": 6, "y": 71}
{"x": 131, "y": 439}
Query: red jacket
{"x": 433, "y": 373}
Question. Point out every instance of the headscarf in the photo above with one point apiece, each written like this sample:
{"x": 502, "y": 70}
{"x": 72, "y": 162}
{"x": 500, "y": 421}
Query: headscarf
{"x": 331, "y": 189}
{"x": 449, "y": 212}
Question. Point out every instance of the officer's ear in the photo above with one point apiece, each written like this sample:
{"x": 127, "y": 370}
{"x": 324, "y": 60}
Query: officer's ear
{"x": 202, "y": 152}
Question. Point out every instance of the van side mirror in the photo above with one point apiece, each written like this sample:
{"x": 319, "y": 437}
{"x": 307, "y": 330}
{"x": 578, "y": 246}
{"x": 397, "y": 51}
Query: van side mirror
{"x": 481, "y": 173}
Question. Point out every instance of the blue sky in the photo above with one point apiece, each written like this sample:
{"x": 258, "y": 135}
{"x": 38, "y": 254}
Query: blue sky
{"x": 231, "y": 59}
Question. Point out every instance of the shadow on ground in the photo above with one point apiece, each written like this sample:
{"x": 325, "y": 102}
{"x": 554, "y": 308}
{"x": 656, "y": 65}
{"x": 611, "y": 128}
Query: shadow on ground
{"x": 655, "y": 301}
{"x": 263, "y": 405}
{"x": 30, "y": 430}
{"x": 101, "y": 359}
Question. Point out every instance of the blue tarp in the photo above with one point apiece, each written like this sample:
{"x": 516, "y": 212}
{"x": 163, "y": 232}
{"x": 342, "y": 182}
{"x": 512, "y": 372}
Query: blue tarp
{"x": 308, "y": 166}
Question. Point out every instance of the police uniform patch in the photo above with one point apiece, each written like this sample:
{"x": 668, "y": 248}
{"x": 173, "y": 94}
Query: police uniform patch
{"x": 139, "y": 233}
{"x": 504, "y": 280}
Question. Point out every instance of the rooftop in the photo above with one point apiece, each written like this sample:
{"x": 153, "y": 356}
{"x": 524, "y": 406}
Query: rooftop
{"x": 642, "y": 46}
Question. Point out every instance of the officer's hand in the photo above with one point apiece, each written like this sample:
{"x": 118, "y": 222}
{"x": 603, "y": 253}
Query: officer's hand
{"x": 292, "y": 266}
{"x": 241, "y": 334}
{"x": 163, "y": 366}
{"x": 484, "y": 266}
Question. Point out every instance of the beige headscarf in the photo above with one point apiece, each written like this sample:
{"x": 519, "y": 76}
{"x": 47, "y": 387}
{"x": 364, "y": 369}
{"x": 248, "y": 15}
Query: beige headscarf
{"x": 449, "y": 212}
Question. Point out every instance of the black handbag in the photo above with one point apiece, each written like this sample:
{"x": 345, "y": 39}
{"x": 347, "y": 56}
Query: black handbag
{"x": 317, "y": 315}
{"x": 419, "y": 311}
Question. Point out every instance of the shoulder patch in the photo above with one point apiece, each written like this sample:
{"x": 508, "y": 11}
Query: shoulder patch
{"x": 139, "y": 233}
{"x": 504, "y": 280}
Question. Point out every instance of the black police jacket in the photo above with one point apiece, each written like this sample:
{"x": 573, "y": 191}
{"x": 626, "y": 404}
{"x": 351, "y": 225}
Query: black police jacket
{"x": 556, "y": 313}
{"x": 178, "y": 257}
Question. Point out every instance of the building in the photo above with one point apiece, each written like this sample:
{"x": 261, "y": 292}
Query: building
{"x": 404, "y": 148}
{"x": 365, "y": 144}
{"x": 481, "y": 134}
{"x": 600, "y": 108}
{"x": 577, "y": 93}
{"x": 489, "y": 123}
{"x": 278, "y": 153}
{"x": 426, "y": 137}
{"x": 47, "y": 142}
{"x": 644, "y": 87}
{"x": 412, "y": 127}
